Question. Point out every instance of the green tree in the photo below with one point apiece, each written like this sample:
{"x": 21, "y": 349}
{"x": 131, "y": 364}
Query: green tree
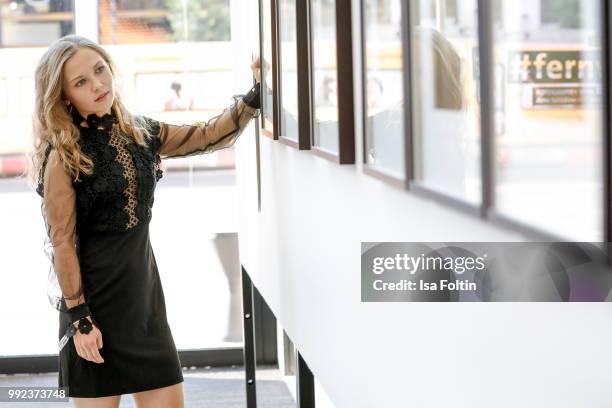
{"x": 207, "y": 20}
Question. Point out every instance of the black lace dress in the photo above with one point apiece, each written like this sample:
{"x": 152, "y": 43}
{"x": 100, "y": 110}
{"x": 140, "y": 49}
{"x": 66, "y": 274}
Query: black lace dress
{"x": 99, "y": 229}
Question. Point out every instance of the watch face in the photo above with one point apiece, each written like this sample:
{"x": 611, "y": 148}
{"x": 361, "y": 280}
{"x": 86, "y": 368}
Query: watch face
{"x": 85, "y": 326}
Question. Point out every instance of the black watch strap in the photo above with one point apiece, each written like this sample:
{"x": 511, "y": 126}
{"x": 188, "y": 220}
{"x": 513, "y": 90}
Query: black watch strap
{"x": 78, "y": 312}
{"x": 253, "y": 97}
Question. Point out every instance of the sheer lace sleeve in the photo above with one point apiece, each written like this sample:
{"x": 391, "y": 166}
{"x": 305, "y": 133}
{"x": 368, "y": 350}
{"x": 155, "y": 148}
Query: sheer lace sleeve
{"x": 205, "y": 137}
{"x": 59, "y": 212}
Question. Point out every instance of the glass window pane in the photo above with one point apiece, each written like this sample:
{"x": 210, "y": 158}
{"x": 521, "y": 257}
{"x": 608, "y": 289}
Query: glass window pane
{"x": 267, "y": 82}
{"x": 325, "y": 94}
{"x": 548, "y": 166}
{"x": 144, "y": 79}
{"x": 384, "y": 91}
{"x": 35, "y": 23}
{"x": 446, "y": 109}
{"x": 161, "y": 21}
{"x": 182, "y": 91}
{"x": 288, "y": 61}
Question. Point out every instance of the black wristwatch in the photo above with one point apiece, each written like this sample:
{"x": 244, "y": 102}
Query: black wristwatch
{"x": 85, "y": 325}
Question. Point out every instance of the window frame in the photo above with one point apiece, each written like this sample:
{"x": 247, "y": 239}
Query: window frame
{"x": 606, "y": 47}
{"x": 304, "y": 79}
{"x": 416, "y": 186}
{"x": 301, "y": 33}
{"x": 344, "y": 69}
{"x": 269, "y": 124}
{"x": 407, "y": 114}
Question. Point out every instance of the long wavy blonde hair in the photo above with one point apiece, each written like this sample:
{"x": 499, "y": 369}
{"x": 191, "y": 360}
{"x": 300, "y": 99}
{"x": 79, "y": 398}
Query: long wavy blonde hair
{"x": 447, "y": 65}
{"x": 53, "y": 122}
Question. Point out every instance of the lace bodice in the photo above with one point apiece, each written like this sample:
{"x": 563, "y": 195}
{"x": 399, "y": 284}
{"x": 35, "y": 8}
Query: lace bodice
{"x": 119, "y": 194}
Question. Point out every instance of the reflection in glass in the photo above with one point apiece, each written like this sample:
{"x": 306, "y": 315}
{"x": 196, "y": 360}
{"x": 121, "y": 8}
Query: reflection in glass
{"x": 325, "y": 95}
{"x": 288, "y": 69}
{"x": 549, "y": 137}
{"x": 445, "y": 106}
{"x": 185, "y": 91}
{"x": 35, "y": 23}
{"x": 384, "y": 93}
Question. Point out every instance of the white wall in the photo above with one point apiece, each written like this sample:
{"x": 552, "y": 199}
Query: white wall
{"x": 303, "y": 253}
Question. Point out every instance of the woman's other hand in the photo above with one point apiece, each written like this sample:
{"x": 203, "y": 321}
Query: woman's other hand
{"x": 256, "y": 68}
{"x": 88, "y": 345}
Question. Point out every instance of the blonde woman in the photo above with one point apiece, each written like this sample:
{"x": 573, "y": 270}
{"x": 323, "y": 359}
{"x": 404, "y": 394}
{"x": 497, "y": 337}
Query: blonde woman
{"x": 96, "y": 166}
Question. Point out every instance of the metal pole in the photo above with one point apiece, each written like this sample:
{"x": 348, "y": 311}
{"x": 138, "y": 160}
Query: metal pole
{"x": 249, "y": 339}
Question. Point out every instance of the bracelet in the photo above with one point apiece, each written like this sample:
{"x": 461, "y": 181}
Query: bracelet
{"x": 72, "y": 329}
{"x": 78, "y": 312}
{"x": 85, "y": 326}
{"x": 253, "y": 98}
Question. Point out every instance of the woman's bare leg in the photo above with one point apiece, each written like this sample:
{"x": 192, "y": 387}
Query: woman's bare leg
{"x": 165, "y": 397}
{"x": 100, "y": 402}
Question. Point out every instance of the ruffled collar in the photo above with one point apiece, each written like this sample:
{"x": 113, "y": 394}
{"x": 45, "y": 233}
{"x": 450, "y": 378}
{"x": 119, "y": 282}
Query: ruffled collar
{"x": 93, "y": 121}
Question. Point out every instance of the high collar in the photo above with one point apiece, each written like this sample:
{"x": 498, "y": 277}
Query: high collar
{"x": 94, "y": 121}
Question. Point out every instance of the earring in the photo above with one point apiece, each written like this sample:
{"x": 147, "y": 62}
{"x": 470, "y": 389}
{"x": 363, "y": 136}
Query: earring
{"x": 69, "y": 107}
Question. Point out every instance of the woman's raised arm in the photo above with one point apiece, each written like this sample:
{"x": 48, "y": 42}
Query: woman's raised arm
{"x": 205, "y": 137}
